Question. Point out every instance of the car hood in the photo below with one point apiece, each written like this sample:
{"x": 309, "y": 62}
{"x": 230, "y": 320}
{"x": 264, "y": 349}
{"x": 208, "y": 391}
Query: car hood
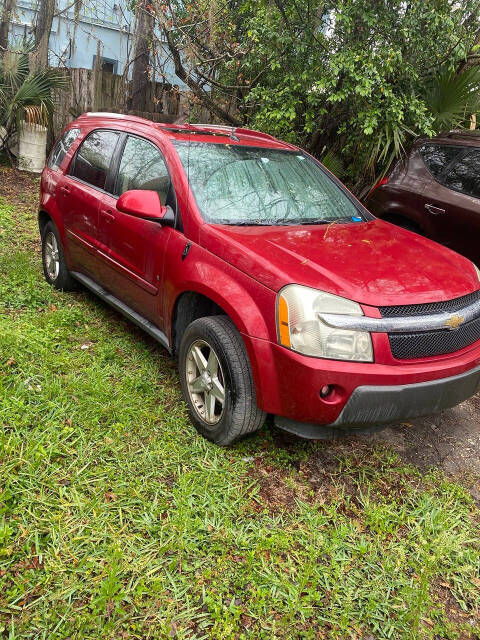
{"x": 375, "y": 263}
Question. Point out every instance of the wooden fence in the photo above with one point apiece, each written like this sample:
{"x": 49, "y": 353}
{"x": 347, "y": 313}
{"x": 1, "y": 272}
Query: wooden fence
{"x": 97, "y": 90}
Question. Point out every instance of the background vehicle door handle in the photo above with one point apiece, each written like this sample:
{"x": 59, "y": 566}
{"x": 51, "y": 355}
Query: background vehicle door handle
{"x": 107, "y": 215}
{"x": 434, "y": 210}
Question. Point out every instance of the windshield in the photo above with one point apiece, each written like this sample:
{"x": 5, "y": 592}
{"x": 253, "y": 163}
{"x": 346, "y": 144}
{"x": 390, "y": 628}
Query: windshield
{"x": 256, "y": 186}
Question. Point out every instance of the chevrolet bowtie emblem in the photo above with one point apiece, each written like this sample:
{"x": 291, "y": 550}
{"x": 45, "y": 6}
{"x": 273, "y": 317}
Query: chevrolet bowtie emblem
{"x": 454, "y": 322}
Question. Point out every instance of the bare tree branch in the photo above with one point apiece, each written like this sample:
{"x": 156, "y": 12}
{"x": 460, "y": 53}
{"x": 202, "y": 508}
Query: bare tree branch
{"x": 198, "y": 91}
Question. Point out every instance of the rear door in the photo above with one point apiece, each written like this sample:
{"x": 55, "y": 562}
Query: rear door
{"x": 454, "y": 204}
{"x": 132, "y": 250}
{"x": 80, "y": 194}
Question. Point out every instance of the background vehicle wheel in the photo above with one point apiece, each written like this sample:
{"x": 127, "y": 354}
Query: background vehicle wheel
{"x": 54, "y": 265}
{"x": 217, "y": 381}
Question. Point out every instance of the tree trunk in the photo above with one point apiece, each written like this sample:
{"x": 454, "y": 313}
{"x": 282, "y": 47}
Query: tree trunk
{"x": 8, "y": 7}
{"x": 141, "y": 61}
{"x": 43, "y": 28}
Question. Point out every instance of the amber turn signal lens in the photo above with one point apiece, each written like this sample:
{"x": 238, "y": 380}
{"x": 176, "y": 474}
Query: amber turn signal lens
{"x": 283, "y": 330}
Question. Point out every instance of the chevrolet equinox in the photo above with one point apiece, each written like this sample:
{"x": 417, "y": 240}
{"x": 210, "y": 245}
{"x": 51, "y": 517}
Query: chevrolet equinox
{"x": 278, "y": 292}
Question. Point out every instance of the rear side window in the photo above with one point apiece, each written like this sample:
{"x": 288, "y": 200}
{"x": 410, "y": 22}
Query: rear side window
{"x": 61, "y": 148}
{"x": 464, "y": 176}
{"x": 437, "y": 157}
{"x": 93, "y": 159}
{"x": 142, "y": 167}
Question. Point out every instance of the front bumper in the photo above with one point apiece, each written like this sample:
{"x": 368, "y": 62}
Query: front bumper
{"x": 371, "y": 406}
{"x": 288, "y": 385}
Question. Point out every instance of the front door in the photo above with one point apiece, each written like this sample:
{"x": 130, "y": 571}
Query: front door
{"x": 131, "y": 252}
{"x": 79, "y": 196}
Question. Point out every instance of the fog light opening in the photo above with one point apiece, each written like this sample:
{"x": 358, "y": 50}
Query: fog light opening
{"x": 325, "y": 391}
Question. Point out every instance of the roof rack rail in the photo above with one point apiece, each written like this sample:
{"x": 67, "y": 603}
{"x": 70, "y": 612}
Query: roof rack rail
{"x": 174, "y": 129}
{"x": 224, "y": 128}
{"x": 253, "y": 132}
{"x": 462, "y": 133}
{"x": 111, "y": 114}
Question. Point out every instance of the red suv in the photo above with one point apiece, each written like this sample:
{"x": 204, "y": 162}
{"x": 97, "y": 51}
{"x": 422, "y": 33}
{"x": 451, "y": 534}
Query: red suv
{"x": 278, "y": 292}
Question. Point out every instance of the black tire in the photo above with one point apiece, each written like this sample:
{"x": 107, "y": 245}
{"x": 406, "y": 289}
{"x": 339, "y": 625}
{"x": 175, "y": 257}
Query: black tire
{"x": 240, "y": 414}
{"x": 61, "y": 280}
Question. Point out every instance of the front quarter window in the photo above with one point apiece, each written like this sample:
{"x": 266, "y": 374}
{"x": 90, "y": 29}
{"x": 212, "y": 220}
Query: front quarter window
{"x": 235, "y": 184}
{"x": 61, "y": 148}
{"x": 142, "y": 167}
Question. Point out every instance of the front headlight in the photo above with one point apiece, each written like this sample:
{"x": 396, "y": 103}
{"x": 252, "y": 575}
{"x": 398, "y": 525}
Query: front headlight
{"x": 477, "y": 270}
{"x": 300, "y": 328}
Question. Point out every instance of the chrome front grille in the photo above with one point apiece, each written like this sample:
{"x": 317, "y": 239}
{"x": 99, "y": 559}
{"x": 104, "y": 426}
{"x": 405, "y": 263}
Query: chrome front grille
{"x": 424, "y": 344}
{"x": 449, "y": 306}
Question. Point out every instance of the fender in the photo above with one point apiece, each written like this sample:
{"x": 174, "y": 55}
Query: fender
{"x": 240, "y": 296}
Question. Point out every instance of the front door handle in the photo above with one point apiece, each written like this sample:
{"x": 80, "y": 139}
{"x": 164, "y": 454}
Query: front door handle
{"x": 65, "y": 189}
{"x": 435, "y": 211}
{"x": 107, "y": 215}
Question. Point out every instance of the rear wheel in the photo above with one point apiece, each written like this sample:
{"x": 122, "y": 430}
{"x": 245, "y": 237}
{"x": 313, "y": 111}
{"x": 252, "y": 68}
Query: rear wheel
{"x": 53, "y": 259}
{"x": 217, "y": 381}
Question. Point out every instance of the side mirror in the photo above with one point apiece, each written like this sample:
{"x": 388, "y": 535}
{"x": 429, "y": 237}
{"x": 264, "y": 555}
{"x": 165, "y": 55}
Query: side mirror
{"x": 145, "y": 205}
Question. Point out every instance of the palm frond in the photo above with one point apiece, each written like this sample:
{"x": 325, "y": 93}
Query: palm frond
{"x": 333, "y": 163}
{"x": 451, "y": 98}
{"x": 32, "y": 99}
{"x": 14, "y": 68}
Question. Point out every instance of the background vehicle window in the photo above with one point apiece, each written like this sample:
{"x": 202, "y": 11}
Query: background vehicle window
{"x": 61, "y": 148}
{"x": 143, "y": 167}
{"x": 437, "y": 157}
{"x": 464, "y": 176}
{"x": 93, "y": 159}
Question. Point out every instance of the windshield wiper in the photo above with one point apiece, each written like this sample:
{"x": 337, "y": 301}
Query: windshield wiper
{"x": 286, "y": 221}
{"x": 281, "y": 222}
{"x": 243, "y": 223}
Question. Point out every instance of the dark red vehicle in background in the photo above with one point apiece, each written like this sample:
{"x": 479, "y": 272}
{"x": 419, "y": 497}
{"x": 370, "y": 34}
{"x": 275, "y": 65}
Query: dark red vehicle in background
{"x": 435, "y": 191}
{"x": 278, "y": 292}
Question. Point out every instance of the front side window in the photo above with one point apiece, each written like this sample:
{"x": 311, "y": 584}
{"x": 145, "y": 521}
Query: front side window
{"x": 464, "y": 176}
{"x": 437, "y": 157}
{"x": 93, "y": 159}
{"x": 142, "y": 167}
{"x": 255, "y": 186}
{"x": 61, "y": 148}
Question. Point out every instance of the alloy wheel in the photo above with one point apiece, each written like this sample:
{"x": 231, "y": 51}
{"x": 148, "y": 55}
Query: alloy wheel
{"x": 205, "y": 382}
{"x": 52, "y": 256}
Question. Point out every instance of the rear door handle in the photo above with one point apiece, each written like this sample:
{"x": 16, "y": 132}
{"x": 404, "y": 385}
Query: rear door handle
{"x": 435, "y": 211}
{"x": 107, "y": 215}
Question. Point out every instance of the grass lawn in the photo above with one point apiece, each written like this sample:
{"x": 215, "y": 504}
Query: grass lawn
{"x": 118, "y": 521}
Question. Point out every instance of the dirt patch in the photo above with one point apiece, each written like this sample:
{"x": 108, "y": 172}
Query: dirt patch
{"x": 463, "y": 620}
{"x": 277, "y": 489}
{"x": 317, "y": 478}
{"x": 449, "y": 440}
{"x": 19, "y": 188}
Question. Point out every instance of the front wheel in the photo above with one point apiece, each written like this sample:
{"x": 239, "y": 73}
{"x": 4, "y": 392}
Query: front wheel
{"x": 217, "y": 381}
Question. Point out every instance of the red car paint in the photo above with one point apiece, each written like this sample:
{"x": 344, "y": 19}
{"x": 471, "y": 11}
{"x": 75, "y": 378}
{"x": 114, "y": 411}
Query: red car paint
{"x": 150, "y": 266}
